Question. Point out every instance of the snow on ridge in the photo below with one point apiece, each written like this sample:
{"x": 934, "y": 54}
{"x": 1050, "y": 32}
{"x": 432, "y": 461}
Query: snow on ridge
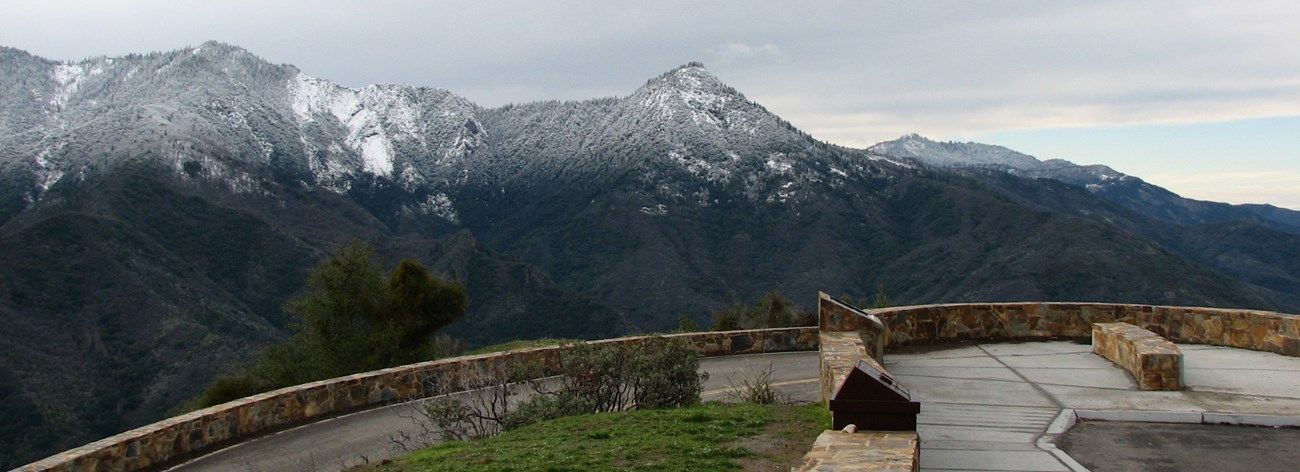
{"x": 886, "y": 158}
{"x": 777, "y": 162}
{"x": 311, "y": 95}
{"x": 69, "y": 78}
{"x": 439, "y": 204}
{"x": 363, "y": 112}
{"x": 690, "y": 89}
{"x": 376, "y": 155}
{"x": 953, "y": 154}
{"x": 45, "y": 176}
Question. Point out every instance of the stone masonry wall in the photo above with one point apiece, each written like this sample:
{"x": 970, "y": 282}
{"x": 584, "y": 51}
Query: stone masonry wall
{"x": 838, "y": 355}
{"x": 851, "y": 319}
{"x": 1246, "y": 329}
{"x": 867, "y": 451}
{"x": 178, "y": 438}
{"x": 863, "y": 450}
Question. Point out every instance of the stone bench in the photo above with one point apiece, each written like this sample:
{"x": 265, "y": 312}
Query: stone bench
{"x": 893, "y": 451}
{"x": 1155, "y": 363}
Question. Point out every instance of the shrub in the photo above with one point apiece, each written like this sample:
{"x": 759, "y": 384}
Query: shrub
{"x": 227, "y": 388}
{"x": 774, "y": 310}
{"x": 755, "y": 389}
{"x": 654, "y": 373}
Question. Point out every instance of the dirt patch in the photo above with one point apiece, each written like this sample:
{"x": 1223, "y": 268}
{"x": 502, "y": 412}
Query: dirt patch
{"x": 785, "y": 440}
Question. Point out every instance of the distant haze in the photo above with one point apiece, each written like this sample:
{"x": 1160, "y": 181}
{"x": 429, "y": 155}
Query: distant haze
{"x": 1200, "y": 97}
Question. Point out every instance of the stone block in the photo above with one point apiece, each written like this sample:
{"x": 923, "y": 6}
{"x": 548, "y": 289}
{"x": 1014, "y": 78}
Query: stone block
{"x": 1153, "y": 361}
{"x": 875, "y": 451}
{"x": 839, "y": 353}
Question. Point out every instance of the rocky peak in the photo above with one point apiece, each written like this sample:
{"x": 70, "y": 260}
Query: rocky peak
{"x": 217, "y": 48}
{"x": 953, "y": 154}
{"x": 690, "y": 88}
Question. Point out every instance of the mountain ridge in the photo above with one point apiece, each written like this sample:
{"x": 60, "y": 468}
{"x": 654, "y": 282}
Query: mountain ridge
{"x": 207, "y": 181}
{"x": 1127, "y": 190}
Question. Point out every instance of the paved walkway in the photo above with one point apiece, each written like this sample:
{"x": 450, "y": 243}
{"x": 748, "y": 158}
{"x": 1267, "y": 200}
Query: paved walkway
{"x": 985, "y": 407}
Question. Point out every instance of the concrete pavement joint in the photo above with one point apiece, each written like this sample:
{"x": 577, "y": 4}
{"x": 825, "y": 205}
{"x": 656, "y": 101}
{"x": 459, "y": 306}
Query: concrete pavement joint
{"x": 1067, "y": 462}
{"x": 1238, "y": 393}
{"x": 1189, "y": 417}
{"x": 962, "y": 378}
{"x": 989, "y": 404}
{"x": 1035, "y": 386}
{"x": 1040, "y": 354}
{"x": 1116, "y": 389}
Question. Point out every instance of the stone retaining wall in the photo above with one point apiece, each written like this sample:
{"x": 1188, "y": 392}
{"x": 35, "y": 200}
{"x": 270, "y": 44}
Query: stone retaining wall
{"x": 850, "y": 318}
{"x": 179, "y": 438}
{"x": 1155, "y": 362}
{"x": 868, "y": 451}
{"x": 1245, "y": 329}
{"x": 864, "y": 450}
{"x": 838, "y": 355}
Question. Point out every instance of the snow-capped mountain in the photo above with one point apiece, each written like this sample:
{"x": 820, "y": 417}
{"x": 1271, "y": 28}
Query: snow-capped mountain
{"x": 1129, "y": 191}
{"x": 156, "y": 210}
{"x": 219, "y": 112}
{"x": 960, "y": 155}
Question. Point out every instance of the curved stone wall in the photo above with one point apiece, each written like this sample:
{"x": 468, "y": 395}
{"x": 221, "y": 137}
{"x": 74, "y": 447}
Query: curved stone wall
{"x": 1246, "y": 329}
{"x": 179, "y": 438}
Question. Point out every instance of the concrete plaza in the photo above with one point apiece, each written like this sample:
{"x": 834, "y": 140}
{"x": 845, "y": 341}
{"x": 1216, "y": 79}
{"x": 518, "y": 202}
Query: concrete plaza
{"x": 998, "y": 407}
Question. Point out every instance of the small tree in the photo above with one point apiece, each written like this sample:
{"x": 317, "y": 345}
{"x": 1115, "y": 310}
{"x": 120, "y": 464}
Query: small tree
{"x": 774, "y": 310}
{"x": 421, "y": 305}
{"x": 686, "y": 325}
{"x": 882, "y": 299}
{"x": 351, "y": 319}
{"x": 336, "y": 321}
{"x": 728, "y": 318}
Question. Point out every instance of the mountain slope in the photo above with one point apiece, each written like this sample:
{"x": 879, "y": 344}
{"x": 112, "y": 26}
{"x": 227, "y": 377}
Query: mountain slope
{"x": 162, "y": 206}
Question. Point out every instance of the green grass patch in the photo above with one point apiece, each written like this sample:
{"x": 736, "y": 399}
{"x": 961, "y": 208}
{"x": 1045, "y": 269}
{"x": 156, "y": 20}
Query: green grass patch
{"x": 812, "y": 416}
{"x": 520, "y": 344}
{"x": 698, "y": 438}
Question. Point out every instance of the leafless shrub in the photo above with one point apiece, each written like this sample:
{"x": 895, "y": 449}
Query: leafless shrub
{"x": 756, "y": 388}
{"x": 473, "y": 402}
{"x": 480, "y": 400}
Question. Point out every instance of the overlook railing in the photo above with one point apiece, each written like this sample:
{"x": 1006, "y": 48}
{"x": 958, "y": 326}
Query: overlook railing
{"x": 1246, "y": 329}
{"x": 848, "y": 333}
{"x": 183, "y": 437}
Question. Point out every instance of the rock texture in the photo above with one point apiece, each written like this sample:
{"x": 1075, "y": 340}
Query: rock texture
{"x": 1155, "y": 362}
{"x": 1245, "y": 329}
{"x": 864, "y": 451}
{"x": 177, "y": 438}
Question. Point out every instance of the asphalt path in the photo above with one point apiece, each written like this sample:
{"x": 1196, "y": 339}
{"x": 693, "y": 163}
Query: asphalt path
{"x": 1162, "y": 447}
{"x": 367, "y": 436}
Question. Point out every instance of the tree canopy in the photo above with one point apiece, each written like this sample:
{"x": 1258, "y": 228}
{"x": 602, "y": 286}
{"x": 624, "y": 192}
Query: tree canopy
{"x": 352, "y": 318}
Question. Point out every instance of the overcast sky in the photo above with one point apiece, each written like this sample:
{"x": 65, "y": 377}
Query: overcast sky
{"x": 1200, "y": 97}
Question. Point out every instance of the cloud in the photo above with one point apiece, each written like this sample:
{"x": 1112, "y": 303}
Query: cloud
{"x": 853, "y": 73}
{"x": 735, "y": 51}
